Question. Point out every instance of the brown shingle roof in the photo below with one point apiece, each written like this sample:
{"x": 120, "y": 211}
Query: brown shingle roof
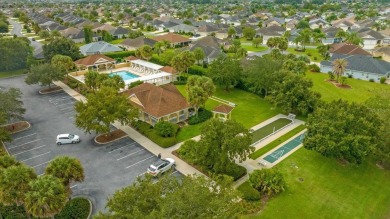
{"x": 131, "y": 58}
{"x": 168, "y": 69}
{"x": 92, "y": 59}
{"x": 158, "y": 101}
{"x": 172, "y": 38}
{"x": 348, "y": 49}
{"x": 223, "y": 109}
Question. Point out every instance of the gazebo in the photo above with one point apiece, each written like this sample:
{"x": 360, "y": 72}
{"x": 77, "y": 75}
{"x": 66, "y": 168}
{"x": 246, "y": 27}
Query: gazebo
{"x": 97, "y": 61}
{"x": 223, "y": 111}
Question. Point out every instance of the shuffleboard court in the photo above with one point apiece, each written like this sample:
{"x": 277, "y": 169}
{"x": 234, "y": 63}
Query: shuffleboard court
{"x": 280, "y": 152}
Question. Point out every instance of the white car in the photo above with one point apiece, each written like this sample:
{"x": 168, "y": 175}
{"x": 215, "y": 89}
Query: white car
{"x": 67, "y": 139}
{"x": 161, "y": 166}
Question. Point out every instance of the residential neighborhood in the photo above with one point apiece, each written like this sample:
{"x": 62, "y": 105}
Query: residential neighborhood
{"x": 195, "y": 109}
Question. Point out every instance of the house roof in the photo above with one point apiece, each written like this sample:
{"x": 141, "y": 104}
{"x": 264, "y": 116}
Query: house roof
{"x": 223, "y": 109}
{"x": 106, "y": 27}
{"x": 182, "y": 27}
{"x": 370, "y": 34}
{"x": 347, "y": 49}
{"x": 168, "y": 69}
{"x": 208, "y": 41}
{"x": 138, "y": 42}
{"x": 361, "y": 63}
{"x": 157, "y": 101}
{"x": 265, "y": 31}
{"x": 172, "y": 38}
{"x": 99, "y": 47}
{"x": 94, "y": 59}
{"x": 119, "y": 31}
{"x": 210, "y": 52}
{"x": 207, "y": 28}
{"x": 131, "y": 58}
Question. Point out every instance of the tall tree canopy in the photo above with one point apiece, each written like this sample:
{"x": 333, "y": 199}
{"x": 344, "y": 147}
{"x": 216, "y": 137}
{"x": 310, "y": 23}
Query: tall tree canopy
{"x": 67, "y": 169}
{"x": 343, "y": 130}
{"x": 15, "y": 53}
{"x": 61, "y": 46}
{"x": 225, "y": 72}
{"x": 103, "y": 108}
{"x": 44, "y": 74}
{"x": 220, "y": 144}
{"x": 199, "y": 89}
{"x": 204, "y": 198}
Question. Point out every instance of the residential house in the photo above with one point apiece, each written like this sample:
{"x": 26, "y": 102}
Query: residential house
{"x": 360, "y": 66}
{"x": 223, "y": 33}
{"x": 345, "y": 24}
{"x": 290, "y": 25}
{"x": 166, "y": 25}
{"x": 182, "y": 28}
{"x": 159, "y": 103}
{"x": 274, "y": 21}
{"x": 106, "y": 27}
{"x": 347, "y": 49}
{"x": 268, "y": 32}
{"x": 119, "y": 33}
{"x": 174, "y": 39}
{"x": 206, "y": 30}
{"x": 98, "y": 48}
{"x": 318, "y": 23}
{"x": 133, "y": 44}
{"x": 383, "y": 52}
{"x": 371, "y": 38}
{"x": 330, "y": 35}
{"x": 96, "y": 61}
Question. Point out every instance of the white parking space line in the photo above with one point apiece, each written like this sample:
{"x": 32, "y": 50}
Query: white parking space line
{"x": 35, "y": 156}
{"x": 73, "y": 186}
{"x": 25, "y": 136}
{"x": 131, "y": 154}
{"x": 139, "y": 162}
{"x": 29, "y": 150}
{"x": 142, "y": 174}
{"x": 122, "y": 147}
{"x": 25, "y": 143}
{"x": 41, "y": 164}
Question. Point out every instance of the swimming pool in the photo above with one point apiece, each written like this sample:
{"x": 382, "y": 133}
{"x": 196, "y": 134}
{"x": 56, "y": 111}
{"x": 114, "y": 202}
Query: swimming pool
{"x": 125, "y": 75}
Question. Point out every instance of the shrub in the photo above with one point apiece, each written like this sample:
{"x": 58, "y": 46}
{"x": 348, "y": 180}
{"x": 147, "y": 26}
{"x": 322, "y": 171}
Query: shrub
{"x": 180, "y": 82}
{"x": 236, "y": 171}
{"x": 267, "y": 181}
{"x": 248, "y": 192}
{"x": 315, "y": 58}
{"x": 303, "y": 58}
{"x": 120, "y": 55}
{"x": 165, "y": 129}
{"x": 147, "y": 130}
{"x": 135, "y": 84}
{"x": 197, "y": 70}
{"x": 331, "y": 75}
{"x": 203, "y": 115}
{"x": 382, "y": 80}
{"x": 308, "y": 53}
{"x": 314, "y": 68}
{"x": 75, "y": 208}
{"x": 371, "y": 80}
{"x": 350, "y": 76}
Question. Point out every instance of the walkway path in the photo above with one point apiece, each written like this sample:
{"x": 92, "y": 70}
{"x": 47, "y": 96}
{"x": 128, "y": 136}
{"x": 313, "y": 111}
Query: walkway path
{"x": 182, "y": 166}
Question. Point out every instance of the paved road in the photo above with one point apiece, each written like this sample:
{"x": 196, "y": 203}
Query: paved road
{"x": 17, "y": 29}
{"x": 107, "y": 167}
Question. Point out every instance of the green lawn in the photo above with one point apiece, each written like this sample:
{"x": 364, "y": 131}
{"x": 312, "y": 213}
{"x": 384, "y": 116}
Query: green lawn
{"x": 329, "y": 190}
{"x": 276, "y": 142}
{"x": 268, "y": 129}
{"x": 312, "y": 51}
{"x": 254, "y": 49}
{"x": 360, "y": 92}
{"x": 117, "y": 41}
{"x": 250, "y": 110}
{"x": 5, "y": 74}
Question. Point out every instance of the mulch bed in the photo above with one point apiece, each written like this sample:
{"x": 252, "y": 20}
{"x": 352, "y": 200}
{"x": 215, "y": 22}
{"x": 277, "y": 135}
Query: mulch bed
{"x": 50, "y": 90}
{"x": 335, "y": 83}
{"x": 112, "y": 136}
{"x": 16, "y": 127}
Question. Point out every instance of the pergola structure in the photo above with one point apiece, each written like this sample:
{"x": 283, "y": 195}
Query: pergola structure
{"x": 143, "y": 66}
{"x": 97, "y": 61}
{"x": 223, "y": 111}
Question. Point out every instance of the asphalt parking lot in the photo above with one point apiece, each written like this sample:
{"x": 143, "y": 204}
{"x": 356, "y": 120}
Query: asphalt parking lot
{"x": 107, "y": 167}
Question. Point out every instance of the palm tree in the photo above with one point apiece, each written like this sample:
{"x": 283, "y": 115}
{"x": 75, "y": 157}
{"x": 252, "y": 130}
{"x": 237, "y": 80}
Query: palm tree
{"x": 8, "y": 161}
{"x": 14, "y": 184}
{"x": 46, "y": 197}
{"x": 339, "y": 66}
{"x": 92, "y": 80}
{"x": 66, "y": 169}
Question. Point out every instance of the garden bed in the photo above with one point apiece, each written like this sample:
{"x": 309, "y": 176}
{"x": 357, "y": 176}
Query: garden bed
{"x": 110, "y": 137}
{"x": 147, "y": 130}
{"x": 17, "y": 126}
{"x": 335, "y": 83}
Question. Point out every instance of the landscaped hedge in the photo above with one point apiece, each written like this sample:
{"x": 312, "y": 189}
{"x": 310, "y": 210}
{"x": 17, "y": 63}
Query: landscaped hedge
{"x": 197, "y": 70}
{"x": 120, "y": 55}
{"x": 248, "y": 192}
{"x": 147, "y": 130}
{"x": 203, "y": 115}
{"x": 236, "y": 171}
{"x": 75, "y": 208}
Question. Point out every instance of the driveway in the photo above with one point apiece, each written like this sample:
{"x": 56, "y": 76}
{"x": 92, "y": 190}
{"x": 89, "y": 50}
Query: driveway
{"x": 107, "y": 167}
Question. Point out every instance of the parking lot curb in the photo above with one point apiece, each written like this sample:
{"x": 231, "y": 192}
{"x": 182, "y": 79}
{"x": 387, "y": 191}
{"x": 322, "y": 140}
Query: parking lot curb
{"x": 109, "y": 141}
{"x": 29, "y": 126}
{"x": 54, "y": 91}
{"x": 90, "y": 204}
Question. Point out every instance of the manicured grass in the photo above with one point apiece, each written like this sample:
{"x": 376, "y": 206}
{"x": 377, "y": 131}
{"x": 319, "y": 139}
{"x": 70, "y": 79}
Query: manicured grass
{"x": 250, "y": 110}
{"x": 328, "y": 189}
{"x": 313, "y": 51}
{"x": 276, "y": 142}
{"x": 360, "y": 91}
{"x": 268, "y": 129}
{"x": 5, "y": 74}
{"x": 254, "y": 49}
{"x": 117, "y": 41}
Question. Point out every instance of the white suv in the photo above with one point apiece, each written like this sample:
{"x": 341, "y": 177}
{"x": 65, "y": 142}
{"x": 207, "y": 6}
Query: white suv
{"x": 67, "y": 139}
{"x": 161, "y": 166}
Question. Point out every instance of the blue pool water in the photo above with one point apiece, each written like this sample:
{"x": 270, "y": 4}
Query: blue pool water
{"x": 125, "y": 75}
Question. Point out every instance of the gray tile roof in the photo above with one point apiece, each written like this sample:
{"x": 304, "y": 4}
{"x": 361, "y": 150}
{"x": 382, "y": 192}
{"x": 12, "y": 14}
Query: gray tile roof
{"x": 361, "y": 63}
{"x": 99, "y": 47}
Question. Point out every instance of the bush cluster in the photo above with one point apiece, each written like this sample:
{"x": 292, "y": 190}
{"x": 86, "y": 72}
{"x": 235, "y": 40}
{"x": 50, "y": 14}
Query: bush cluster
{"x": 135, "y": 84}
{"x": 75, "y": 208}
{"x": 382, "y": 80}
{"x": 147, "y": 130}
{"x": 314, "y": 68}
{"x": 120, "y": 55}
{"x": 236, "y": 171}
{"x": 197, "y": 70}
{"x": 166, "y": 129}
{"x": 248, "y": 192}
{"x": 203, "y": 115}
